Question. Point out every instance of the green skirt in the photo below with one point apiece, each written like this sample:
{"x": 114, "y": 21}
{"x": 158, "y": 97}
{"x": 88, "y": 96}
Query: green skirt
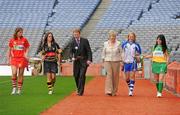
{"x": 159, "y": 67}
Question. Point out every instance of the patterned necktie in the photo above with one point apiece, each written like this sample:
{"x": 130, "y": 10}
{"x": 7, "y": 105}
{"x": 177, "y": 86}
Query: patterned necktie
{"x": 78, "y": 42}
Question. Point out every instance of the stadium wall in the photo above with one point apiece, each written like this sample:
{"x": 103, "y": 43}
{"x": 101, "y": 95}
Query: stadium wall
{"x": 5, "y": 70}
{"x": 93, "y": 70}
{"x": 172, "y": 79}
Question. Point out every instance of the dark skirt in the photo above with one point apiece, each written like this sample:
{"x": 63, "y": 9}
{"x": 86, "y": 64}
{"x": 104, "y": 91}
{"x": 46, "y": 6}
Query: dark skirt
{"x": 50, "y": 67}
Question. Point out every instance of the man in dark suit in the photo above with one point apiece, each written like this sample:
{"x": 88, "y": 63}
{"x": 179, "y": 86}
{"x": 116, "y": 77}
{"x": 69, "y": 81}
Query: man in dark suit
{"x": 81, "y": 54}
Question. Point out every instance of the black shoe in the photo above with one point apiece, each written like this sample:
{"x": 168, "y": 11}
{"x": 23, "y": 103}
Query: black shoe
{"x": 109, "y": 94}
{"x": 79, "y": 94}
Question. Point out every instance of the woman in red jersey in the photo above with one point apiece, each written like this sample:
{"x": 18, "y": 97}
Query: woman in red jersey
{"x": 17, "y": 57}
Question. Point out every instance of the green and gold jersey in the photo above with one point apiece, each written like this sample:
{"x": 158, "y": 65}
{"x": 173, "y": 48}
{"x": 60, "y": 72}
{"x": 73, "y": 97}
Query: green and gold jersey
{"x": 158, "y": 55}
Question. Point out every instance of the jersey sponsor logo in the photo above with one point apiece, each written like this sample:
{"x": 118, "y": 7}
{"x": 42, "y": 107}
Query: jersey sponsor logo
{"x": 158, "y": 56}
{"x": 158, "y": 53}
{"x": 49, "y": 54}
{"x": 18, "y": 47}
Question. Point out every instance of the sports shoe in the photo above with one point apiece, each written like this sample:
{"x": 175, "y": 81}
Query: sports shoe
{"x": 109, "y": 94}
{"x": 77, "y": 92}
{"x": 50, "y": 92}
{"x": 130, "y": 93}
{"x": 19, "y": 92}
{"x": 13, "y": 91}
{"x": 159, "y": 94}
{"x": 113, "y": 94}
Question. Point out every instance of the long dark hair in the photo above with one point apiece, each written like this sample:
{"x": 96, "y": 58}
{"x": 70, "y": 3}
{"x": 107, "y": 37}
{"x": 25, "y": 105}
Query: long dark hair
{"x": 162, "y": 38}
{"x": 46, "y": 36}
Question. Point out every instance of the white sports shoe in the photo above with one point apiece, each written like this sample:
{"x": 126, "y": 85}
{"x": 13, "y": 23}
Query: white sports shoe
{"x": 19, "y": 92}
{"x": 130, "y": 93}
{"x": 50, "y": 92}
{"x": 159, "y": 94}
{"x": 13, "y": 91}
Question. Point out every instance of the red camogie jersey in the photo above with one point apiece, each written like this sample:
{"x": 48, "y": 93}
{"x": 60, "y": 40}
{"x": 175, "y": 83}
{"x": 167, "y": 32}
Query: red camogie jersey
{"x": 18, "y": 47}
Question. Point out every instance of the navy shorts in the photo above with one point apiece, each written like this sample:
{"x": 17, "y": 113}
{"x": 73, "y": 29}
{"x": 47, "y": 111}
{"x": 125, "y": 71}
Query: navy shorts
{"x": 50, "y": 67}
{"x": 128, "y": 67}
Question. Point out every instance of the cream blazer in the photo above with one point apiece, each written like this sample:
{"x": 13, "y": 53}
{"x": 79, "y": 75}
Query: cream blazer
{"x": 112, "y": 53}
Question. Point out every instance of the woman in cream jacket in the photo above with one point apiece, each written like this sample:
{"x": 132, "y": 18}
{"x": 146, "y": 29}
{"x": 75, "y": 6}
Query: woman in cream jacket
{"x": 111, "y": 56}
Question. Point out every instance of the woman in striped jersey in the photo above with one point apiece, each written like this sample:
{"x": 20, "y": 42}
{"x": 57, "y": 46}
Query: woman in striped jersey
{"x": 50, "y": 54}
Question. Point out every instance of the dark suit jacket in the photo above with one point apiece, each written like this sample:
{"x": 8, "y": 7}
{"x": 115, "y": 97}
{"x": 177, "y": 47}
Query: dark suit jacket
{"x": 83, "y": 50}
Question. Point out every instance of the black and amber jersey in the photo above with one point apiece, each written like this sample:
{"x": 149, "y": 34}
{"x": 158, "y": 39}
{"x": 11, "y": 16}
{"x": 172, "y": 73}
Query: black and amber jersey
{"x": 51, "y": 53}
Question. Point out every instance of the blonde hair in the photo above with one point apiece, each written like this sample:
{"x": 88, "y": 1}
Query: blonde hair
{"x": 112, "y": 33}
{"x": 132, "y": 33}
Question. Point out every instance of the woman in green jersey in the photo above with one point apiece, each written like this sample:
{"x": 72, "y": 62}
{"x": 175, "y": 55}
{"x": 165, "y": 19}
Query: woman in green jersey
{"x": 160, "y": 60}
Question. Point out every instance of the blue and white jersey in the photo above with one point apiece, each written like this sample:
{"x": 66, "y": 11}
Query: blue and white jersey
{"x": 130, "y": 49}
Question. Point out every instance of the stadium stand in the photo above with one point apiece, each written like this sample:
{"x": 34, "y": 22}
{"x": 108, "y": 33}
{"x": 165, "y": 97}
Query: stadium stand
{"x": 160, "y": 19}
{"x": 70, "y": 14}
{"x": 119, "y": 16}
{"x": 32, "y": 15}
{"x": 39, "y": 16}
{"x": 147, "y": 18}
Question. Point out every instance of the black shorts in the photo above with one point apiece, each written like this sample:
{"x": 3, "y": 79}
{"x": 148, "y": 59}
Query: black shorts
{"x": 50, "y": 67}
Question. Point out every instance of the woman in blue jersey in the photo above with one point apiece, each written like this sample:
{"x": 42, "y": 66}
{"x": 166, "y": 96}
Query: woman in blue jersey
{"x": 131, "y": 52}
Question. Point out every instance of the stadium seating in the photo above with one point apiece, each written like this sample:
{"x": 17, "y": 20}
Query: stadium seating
{"x": 32, "y": 15}
{"x": 70, "y": 14}
{"x": 119, "y": 16}
{"x": 147, "y": 18}
{"x": 160, "y": 19}
{"x": 39, "y": 16}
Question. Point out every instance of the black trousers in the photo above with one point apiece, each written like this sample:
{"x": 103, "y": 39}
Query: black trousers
{"x": 79, "y": 71}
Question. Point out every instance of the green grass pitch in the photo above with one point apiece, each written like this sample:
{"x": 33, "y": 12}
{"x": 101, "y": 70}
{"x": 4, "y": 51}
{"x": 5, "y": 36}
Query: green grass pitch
{"x": 34, "y": 98}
